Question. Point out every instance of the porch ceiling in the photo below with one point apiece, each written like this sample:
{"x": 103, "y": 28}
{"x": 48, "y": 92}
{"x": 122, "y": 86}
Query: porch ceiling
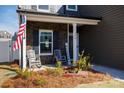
{"x": 60, "y": 19}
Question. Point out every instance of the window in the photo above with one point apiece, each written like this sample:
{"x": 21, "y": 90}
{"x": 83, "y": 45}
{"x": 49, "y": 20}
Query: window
{"x": 44, "y": 8}
{"x": 46, "y": 42}
{"x": 71, "y": 7}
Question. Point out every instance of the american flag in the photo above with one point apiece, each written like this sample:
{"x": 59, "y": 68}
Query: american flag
{"x": 22, "y": 28}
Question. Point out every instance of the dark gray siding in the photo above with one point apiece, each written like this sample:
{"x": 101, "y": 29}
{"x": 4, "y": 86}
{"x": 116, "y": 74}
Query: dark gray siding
{"x": 62, "y": 11}
{"x": 106, "y": 40}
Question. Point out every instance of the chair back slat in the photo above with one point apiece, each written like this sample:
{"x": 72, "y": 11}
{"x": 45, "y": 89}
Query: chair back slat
{"x": 57, "y": 54}
{"x": 31, "y": 54}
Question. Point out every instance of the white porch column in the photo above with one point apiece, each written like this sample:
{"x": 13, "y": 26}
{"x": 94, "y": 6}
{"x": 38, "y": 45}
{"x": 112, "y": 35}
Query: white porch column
{"x": 75, "y": 42}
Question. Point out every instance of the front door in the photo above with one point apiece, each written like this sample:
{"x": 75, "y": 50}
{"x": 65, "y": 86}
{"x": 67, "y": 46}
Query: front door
{"x": 71, "y": 45}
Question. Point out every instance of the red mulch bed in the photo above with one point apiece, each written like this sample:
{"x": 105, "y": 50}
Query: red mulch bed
{"x": 66, "y": 80}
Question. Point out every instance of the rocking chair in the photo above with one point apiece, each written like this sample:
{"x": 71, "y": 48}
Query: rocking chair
{"x": 59, "y": 57}
{"x": 34, "y": 62}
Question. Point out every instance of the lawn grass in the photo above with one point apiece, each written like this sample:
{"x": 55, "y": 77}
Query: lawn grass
{"x": 5, "y": 74}
{"x": 5, "y": 63}
{"x": 104, "y": 84}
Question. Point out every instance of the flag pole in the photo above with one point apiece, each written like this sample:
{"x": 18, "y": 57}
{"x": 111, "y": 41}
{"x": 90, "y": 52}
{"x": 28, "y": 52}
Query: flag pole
{"x": 20, "y": 57}
{"x": 20, "y": 42}
{"x": 20, "y": 54}
{"x": 24, "y": 48}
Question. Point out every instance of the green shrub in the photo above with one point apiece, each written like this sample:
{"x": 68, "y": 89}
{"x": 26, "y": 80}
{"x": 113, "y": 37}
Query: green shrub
{"x": 40, "y": 81}
{"x": 84, "y": 62}
{"x": 58, "y": 64}
{"x": 25, "y": 74}
{"x": 49, "y": 71}
{"x": 74, "y": 63}
{"x": 58, "y": 71}
{"x": 54, "y": 72}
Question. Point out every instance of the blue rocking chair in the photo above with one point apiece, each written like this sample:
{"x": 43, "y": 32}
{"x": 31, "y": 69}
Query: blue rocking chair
{"x": 59, "y": 57}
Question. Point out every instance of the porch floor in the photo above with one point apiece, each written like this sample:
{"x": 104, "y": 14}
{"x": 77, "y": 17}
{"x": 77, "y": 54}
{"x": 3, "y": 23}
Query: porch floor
{"x": 115, "y": 73}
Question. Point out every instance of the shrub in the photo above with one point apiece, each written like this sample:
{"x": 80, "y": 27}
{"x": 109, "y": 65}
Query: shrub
{"x": 58, "y": 71}
{"x": 49, "y": 71}
{"x": 54, "y": 72}
{"x": 84, "y": 62}
{"x": 39, "y": 81}
{"x": 74, "y": 63}
{"x": 25, "y": 74}
{"x": 58, "y": 64}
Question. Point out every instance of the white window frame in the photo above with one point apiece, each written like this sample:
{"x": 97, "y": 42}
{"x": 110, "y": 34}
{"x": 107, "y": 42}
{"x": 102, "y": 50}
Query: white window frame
{"x": 67, "y": 8}
{"x": 43, "y": 10}
{"x": 45, "y": 54}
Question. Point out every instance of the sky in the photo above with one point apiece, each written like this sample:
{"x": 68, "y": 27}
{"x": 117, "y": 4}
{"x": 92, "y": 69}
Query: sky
{"x": 9, "y": 18}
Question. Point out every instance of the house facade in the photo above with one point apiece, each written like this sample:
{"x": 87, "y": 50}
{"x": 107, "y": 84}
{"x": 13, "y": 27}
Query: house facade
{"x": 50, "y": 27}
{"x": 96, "y": 29}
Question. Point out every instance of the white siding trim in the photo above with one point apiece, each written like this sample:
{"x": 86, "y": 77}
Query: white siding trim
{"x": 45, "y": 54}
{"x": 58, "y": 19}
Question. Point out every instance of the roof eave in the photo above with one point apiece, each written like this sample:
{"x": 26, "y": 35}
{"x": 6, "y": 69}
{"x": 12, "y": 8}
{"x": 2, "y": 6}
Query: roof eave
{"x": 59, "y": 19}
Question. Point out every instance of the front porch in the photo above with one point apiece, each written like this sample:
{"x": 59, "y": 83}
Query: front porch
{"x": 45, "y": 33}
{"x": 58, "y": 37}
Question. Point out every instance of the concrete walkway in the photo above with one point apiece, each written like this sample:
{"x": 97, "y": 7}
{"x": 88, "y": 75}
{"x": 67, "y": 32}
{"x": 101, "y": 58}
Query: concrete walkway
{"x": 116, "y": 74}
